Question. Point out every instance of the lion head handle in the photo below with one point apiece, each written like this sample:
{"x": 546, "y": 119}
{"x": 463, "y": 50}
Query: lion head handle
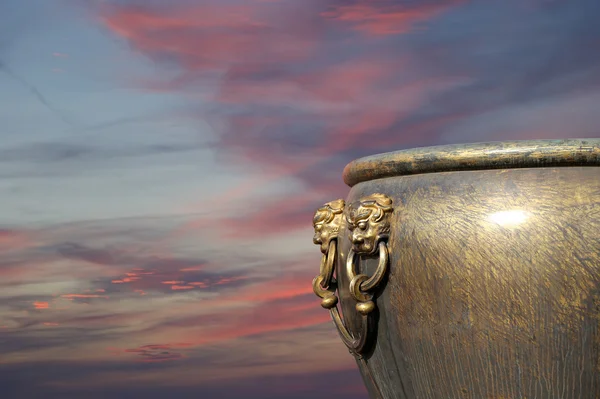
{"x": 328, "y": 222}
{"x": 369, "y": 223}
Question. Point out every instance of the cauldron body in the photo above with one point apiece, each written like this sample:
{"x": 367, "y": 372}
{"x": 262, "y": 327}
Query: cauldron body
{"x": 492, "y": 288}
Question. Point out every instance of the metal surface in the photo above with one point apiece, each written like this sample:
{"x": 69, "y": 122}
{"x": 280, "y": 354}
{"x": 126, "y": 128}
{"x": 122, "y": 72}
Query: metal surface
{"x": 478, "y": 156}
{"x": 492, "y": 286}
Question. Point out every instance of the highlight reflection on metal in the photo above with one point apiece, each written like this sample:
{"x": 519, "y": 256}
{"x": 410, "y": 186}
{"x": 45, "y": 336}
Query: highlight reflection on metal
{"x": 509, "y": 218}
{"x": 490, "y": 286}
{"x": 368, "y": 223}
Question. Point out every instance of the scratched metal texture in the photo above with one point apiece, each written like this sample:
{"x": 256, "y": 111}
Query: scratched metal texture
{"x": 474, "y": 308}
{"x": 475, "y": 156}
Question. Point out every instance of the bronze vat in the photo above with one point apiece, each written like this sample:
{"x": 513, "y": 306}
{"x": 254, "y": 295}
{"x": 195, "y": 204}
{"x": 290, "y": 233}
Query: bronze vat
{"x": 469, "y": 271}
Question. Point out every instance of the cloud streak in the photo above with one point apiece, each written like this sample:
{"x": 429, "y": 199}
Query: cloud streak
{"x": 37, "y": 93}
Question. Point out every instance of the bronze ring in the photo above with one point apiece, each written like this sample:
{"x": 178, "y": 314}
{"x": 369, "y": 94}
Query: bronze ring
{"x": 356, "y": 288}
{"x": 327, "y": 264}
{"x": 375, "y": 280}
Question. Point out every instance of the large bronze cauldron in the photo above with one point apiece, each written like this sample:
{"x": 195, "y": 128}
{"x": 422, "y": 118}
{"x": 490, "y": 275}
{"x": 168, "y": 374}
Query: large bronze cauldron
{"x": 469, "y": 271}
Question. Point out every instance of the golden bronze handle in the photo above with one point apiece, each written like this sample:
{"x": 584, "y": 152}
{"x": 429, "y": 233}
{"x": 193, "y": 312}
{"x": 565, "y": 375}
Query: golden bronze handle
{"x": 361, "y": 284}
{"x": 369, "y": 225}
{"x": 371, "y": 212}
{"x": 330, "y": 300}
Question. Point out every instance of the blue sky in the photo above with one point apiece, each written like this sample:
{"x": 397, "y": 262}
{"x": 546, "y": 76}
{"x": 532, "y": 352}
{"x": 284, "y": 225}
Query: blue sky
{"x": 160, "y": 163}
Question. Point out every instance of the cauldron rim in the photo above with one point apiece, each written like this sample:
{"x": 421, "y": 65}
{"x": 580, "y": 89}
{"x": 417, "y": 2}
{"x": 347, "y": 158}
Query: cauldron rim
{"x": 475, "y": 156}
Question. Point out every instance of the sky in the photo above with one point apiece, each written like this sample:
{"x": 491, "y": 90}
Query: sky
{"x": 160, "y": 162}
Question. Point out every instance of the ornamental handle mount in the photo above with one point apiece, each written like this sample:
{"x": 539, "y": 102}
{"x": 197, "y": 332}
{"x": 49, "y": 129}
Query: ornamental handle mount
{"x": 368, "y": 224}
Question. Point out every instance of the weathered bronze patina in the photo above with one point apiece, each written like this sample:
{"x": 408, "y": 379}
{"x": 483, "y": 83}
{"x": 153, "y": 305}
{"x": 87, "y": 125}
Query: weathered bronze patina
{"x": 469, "y": 271}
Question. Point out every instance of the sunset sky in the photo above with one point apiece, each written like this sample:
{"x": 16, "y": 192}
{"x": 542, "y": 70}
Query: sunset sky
{"x": 160, "y": 162}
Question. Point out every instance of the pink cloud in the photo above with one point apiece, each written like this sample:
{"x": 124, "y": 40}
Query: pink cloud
{"x": 192, "y": 269}
{"x": 155, "y": 352}
{"x": 181, "y": 287}
{"x": 14, "y": 240}
{"x": 41, "y": 305}
{"x": 83, "y": 296}
{"x": 291, "y": 286}
{"x": 289, "y": 297}
{"x": 284, "y": 215}
{"x": 255, "y": 50}
{"x": 387, "y": 17}
{"x": 207, "y": 37}
{"x": 227, "y": 280}
{"x": 281, "y": 317}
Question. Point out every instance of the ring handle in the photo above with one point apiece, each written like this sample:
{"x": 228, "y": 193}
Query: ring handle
{"x": 361, "y": 284}
{"x": 329, "y": 301}
{"x": 371, "y": 212}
